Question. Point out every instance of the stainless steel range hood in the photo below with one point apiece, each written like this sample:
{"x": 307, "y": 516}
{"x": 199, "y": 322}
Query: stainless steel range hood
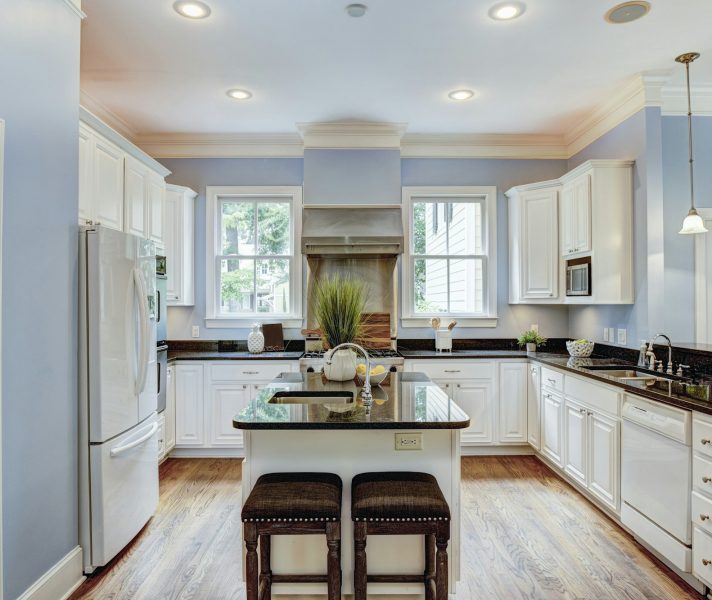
{"x": 368, "y": 231}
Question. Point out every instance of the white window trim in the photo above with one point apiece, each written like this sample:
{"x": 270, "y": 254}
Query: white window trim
{"x": 411, "y": 194}
{"x": 294, "y": 195}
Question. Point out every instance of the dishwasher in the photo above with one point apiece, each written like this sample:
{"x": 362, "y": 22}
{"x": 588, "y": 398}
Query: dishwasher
{"x": 656, "y": 478}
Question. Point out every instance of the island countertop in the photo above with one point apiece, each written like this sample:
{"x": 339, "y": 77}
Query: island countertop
{"x": 404, "y": 400}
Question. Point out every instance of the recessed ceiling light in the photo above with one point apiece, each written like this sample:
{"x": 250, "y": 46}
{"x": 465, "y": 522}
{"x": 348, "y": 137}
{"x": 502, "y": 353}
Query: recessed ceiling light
{"x": 505, "y": 11}
{"x": 356, "y": 10}
{"x": 238, "y": 94}
{"x": 461, "y": 94}
{"x": 627, "y": 12}
{"x": 192, "y": 9}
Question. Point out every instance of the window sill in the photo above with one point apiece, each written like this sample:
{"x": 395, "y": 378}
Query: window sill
{"x": 246, "y": 322}
{"x": 411, "y": 322}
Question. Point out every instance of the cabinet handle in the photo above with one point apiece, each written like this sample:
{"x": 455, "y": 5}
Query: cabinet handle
{"x": 706, "y": 562}
{"x": 551, "y": 381}
{"x": 704, "y": 517}
{"x": 452, "y": 370}
{"x": 706, "y": 479}
{"x": 582, "y": 410}
{"x": 705, "y": 442}
{"x": 250, "y": 372}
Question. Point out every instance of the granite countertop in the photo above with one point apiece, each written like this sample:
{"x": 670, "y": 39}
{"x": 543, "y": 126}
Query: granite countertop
{"x": 243, "y": 355}
{"x": 463, "y": 353}
{"x": 404, "y": 400}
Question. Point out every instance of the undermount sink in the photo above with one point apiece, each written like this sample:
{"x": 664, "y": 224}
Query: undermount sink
{"x": 624, "y": 373}
{"x": 311, "y": 397}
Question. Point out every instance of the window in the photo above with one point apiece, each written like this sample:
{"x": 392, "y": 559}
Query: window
{"x": 450, "y": 261}
{"x": 254, "y": 268}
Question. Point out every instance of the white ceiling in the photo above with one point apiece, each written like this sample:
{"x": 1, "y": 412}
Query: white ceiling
{"x": 307, "y": 61}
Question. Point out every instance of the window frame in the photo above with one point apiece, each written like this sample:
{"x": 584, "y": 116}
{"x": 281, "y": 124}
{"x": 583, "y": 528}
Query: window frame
{"x": 213, "y": 253}
{"x": 410, "y": 195}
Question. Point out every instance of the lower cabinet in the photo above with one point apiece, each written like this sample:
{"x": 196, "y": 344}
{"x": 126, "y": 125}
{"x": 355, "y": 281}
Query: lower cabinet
{"x": 190, "y": 407}
{"x": 226, "y": 400}
{"x": 534, "y": 407}
{"x": 513, "y": 385}
{"x": 170, "y": 412}
{"x": 475, "y": 398}
{"x": 552, "y": 419}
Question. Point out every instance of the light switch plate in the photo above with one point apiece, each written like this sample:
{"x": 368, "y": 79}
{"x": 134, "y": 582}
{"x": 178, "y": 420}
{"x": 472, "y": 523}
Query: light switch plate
{"x": 409, "y": 441}
{"x": 605, "y": 334}
{"x": 622, "y": 337}
{"x": 195, "y": 331}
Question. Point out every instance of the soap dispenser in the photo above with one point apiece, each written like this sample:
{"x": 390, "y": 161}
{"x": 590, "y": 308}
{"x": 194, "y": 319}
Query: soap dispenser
{"x": 642, "y": 358}
{"x": 256, "y": 339}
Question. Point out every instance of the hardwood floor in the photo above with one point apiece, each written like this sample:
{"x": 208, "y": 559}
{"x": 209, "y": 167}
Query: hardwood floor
{"x": 526, "y": 534}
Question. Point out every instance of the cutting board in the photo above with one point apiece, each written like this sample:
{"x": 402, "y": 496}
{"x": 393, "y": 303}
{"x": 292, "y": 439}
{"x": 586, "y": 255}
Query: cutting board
{"x": 376, "y": 331}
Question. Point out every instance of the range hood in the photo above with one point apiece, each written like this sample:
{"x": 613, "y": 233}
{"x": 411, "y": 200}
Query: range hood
{"x": 366, "y": 231}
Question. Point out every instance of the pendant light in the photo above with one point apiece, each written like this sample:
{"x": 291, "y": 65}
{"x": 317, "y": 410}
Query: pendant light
{"x": 693, "y": 222}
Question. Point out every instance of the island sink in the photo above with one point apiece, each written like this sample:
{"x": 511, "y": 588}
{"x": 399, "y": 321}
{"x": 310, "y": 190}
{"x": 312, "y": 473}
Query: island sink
{"x": 311, "y": 397}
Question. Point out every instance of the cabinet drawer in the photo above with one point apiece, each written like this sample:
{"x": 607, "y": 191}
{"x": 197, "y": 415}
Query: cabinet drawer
{"x": 702, "y": 474}
{"x": 552, "y": 379}
{"x": 447, "y": 369}
{"x": 702, "y": 555}
{"x": 247, "y": 371}
{"x": 702, "y": 511}
{"x": 596, "y": 396}
{"x": 701, "y": 435}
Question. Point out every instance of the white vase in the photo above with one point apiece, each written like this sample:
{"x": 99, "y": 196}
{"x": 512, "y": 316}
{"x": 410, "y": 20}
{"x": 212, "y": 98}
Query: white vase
{"x": 340, "y": 365}
{"x": 531, "y": 347}
{"x": 256, "y": 340}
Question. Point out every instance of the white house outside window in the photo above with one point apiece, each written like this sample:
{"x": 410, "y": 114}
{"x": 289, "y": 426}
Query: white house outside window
{"x": 450, "y": 261}
{"x": 253, "y": 262}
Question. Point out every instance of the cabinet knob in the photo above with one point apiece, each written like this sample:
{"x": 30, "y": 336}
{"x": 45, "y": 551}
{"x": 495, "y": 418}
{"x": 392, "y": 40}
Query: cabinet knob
{"x": 705, "y": 442}
{"x": 704, "y": 517}
{"x": 582, "y": 410}
{"x": 706, "y": 479}
{"x": 458, "y": 385}
{"x": 244, "y": 386}
{"x": 706, "y": 562}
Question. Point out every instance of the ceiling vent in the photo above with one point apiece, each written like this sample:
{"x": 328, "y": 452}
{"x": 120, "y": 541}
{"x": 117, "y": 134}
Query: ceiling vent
{"x": 627, "y": 12}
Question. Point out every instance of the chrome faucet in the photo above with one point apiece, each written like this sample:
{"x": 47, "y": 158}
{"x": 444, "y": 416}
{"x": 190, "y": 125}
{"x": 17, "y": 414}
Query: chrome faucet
{"x": 651, "y": 354}
{"x": 366, "y": 396}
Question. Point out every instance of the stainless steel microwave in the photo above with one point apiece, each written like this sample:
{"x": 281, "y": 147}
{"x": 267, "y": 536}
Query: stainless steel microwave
{"x": 578, "y": 276}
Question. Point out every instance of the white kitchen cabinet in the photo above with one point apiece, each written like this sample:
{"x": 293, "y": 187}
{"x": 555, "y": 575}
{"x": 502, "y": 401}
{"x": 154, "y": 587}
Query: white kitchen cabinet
{"x": 552, "y": 426}
{"x": 534, "y": 259}
{"x": 534, "y": 407}
{"x": 156, "y": 207}
{"x": 575, "y": 435}
{"x": 136, "y": 192}
{"x": 161, "y": 437}
{"x": 170, "y": 412}
{"x": 604, "y": 458}
{"x": 576, "y": 215}
{"x": 86, "y": 150}
{"x": 226, "y": 400}
{"x": 513, "y": 385}
{"x": 476, "y": 399}
{"x": 179, "y": 245}
{"x": 190, "y": 405}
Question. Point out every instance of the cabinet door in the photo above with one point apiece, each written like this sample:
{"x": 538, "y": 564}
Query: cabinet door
{"x": 534, "y": 407}
{"x": 170, "y": 412}
{"x": 540, "y": 244}
{"x": 136, "y": 182}
{"x": 171, "y": 242}
{"x": 551, "y": 432}
{"x": 86, "y": 152}
{"x": 513, "y": 402}
{"x": 156, "y": 198}
{"x": 190, "y": 421}
{"x": 567, "y": 218}
{"x": 604, "y": 458}
{"x": 226, "y": 400}
{"x": 107, "y": 183}
{"x": 582, "y": 214}
{"x": 575, "y": 419}
{"x": 476, "y": 398}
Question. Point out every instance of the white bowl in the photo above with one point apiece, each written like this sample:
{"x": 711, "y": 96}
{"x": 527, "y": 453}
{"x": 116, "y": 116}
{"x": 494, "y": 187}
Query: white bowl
{"x": 375, "y": 379}
{"x": 580, "y": 350}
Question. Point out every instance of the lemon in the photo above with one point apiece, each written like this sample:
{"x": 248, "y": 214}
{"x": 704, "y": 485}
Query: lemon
{"x": 361, "y": 369}
{"x": 377, "y": 370}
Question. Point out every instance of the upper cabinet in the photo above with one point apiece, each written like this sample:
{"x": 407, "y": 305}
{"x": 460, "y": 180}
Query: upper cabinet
{"x": 534, "y": 243}
{"x": 588, "y": 212}
{"x": 179, "y": 243}
{"x": 120, "y": 186}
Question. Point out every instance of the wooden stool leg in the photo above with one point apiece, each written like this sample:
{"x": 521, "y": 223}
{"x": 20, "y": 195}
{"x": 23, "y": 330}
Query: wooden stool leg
{"x": 360, "y": 573}
{"x": 441, "y": 573}
{"x": 333, "y": 560}
{"x": 265, "y": 585}
{"x": 251, "y": 565}
{"x": 429, "y": 575}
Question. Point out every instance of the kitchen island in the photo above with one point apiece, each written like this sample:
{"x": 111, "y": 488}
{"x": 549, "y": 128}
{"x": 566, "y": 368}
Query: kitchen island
{"x": 310, "y": 431}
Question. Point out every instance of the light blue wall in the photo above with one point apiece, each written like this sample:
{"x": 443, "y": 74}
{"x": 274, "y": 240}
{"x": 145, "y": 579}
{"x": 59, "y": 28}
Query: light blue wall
{"x": 39, "y": 101}
{"x": 366, "y": 174}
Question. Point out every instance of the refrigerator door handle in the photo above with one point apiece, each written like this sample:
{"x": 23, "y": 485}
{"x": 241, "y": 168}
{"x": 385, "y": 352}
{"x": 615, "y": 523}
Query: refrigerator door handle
{"x": 126, "y": 447}
{"x": 140, "y": 287}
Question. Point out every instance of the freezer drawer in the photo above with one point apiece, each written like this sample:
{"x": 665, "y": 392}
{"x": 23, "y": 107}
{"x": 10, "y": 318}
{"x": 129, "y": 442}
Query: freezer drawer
{"x": 124, "y": 488}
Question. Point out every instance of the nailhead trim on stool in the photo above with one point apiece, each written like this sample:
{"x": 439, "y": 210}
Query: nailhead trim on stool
{"x": 401, "y": 503}
{"x": 291, "y": 504}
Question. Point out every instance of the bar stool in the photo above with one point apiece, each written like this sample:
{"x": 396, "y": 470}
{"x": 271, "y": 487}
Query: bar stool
{"x": 401, "y": 503}
{"x": 291, "y": 504}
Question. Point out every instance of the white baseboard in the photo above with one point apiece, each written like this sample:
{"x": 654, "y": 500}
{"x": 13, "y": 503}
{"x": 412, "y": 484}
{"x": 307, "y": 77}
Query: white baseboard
{"x": 207, "y": 453}
{"x": 60, "y": 581}
{"x": 496, "y": 450}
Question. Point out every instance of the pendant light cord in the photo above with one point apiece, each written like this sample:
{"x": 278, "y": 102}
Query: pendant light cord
{"x": 689, "y": 135}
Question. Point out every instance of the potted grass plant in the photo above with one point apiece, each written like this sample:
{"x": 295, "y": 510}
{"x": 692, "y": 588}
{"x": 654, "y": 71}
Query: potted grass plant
{"x": 531, "y": 339}
{"x": 339, "y": 302}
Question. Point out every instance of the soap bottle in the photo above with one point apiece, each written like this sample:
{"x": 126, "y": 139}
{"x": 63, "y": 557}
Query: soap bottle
{"x": 642, "y": 358}
{"x": 256, "y": 340}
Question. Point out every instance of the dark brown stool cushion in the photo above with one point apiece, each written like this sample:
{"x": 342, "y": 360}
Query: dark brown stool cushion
{"x": 294, "y": 497}
{"x": 397, "y": 496}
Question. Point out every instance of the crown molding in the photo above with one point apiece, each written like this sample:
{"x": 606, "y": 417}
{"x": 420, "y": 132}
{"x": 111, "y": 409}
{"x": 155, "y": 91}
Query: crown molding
{"x": 674, "y": 100}
{"x": 352, "y": 134}
{"x": 194, "y": 145}
{"x": 527, "y": 146}
{"x": 104, "y": 113}
{"x": 76, "y": 7}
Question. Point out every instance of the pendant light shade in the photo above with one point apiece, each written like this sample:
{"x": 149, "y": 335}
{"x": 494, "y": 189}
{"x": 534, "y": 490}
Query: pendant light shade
{"x": 693, "y": 222}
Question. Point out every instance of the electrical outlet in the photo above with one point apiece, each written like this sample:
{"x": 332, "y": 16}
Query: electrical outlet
{"x": 195, "y": 331}
{"x": 409, "y": 441}
{"x": 605, "y": 334}
{"x": 622, "y": 337}
{"x": 535, "y": 327}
